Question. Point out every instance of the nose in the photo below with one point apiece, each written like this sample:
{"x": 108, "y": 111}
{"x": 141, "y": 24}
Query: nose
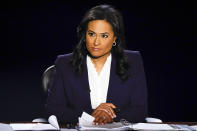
{"x": 97, "y": 41}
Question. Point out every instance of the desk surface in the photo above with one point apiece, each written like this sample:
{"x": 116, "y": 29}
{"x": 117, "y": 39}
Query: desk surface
{"x": 184, "y": 123}
{"x": 68, "y": 126}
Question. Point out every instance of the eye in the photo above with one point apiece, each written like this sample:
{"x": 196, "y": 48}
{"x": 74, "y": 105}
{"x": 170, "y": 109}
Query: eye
{"x": 91, "y": 34}
{"x": 104, "y": 35}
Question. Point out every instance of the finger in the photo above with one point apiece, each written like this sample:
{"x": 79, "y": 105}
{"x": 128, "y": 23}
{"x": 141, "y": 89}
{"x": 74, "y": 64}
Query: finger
{"x": 97, "y": 115}
{"x": 109, "y": 110}
{"x": 108, "y": 104}
{"x": 107, "y": 119}
{"x": 112, "y": 113}
{"x": 94, "y": 112}
{"x": 111, "y": 105}
{"x": 102, "y": 118}
{"x": 105, "y": 110}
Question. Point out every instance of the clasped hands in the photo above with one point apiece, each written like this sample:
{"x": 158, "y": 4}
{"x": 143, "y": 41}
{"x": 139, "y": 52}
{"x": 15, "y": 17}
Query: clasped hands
{"x": 104, "y": 113}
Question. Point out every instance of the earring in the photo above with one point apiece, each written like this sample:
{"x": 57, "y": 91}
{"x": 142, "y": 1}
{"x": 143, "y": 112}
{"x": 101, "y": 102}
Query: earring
{"x": 114, "y": 44}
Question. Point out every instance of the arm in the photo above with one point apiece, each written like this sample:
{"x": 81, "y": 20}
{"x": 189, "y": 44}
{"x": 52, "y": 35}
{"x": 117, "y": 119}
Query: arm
{"x": 57, "y": 101}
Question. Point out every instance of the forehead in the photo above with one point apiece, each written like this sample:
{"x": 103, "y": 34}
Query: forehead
{"x": 100, "y": 26}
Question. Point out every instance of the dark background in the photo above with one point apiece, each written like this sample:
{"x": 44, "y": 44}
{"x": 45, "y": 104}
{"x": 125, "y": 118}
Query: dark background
{"x": 33, "y": 33}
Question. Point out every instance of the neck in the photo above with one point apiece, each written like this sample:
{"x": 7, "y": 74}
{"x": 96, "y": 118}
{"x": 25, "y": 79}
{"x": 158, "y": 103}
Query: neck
{"x": 99, "y": 61}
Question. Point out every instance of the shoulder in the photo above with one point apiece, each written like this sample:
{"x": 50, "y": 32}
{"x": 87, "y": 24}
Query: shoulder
{"x": 132, "y": 55}
{"x": 135, "y": 59}
{"x": 63, "y": 59}
{"x": 132, "y": 52}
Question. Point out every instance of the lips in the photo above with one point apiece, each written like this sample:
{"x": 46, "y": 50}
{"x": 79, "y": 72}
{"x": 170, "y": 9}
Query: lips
{"x": 96, "y": 49}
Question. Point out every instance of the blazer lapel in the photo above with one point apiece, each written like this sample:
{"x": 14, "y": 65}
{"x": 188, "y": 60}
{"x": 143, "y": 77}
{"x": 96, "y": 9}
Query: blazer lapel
{"x": 113, "y": 82}
{"x": 85, "y": 84}
{"x": 85, "y": 78}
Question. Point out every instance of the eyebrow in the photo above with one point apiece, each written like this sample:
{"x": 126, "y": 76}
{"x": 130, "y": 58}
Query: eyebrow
{"x": 100, "y": 33}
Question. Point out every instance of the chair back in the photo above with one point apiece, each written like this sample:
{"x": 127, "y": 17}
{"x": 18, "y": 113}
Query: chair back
{"x": 46, "y": 77}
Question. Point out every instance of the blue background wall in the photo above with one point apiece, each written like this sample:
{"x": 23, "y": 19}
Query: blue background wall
{"x": 33, "y": 33}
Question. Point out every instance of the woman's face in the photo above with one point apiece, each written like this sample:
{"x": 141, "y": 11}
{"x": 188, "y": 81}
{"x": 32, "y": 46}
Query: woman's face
{"x": 99, "y": 38}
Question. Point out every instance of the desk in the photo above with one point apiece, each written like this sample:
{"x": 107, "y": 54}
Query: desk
{"x": 181, "y": 123}
{"x": 66, "y": 126}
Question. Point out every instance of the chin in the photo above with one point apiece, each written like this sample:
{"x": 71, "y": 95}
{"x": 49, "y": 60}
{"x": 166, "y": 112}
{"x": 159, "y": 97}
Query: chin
{"x": 97, "y": 55}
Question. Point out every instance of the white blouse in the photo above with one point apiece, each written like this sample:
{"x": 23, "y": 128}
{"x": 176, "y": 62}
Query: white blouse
{"x": 98, "y": 83}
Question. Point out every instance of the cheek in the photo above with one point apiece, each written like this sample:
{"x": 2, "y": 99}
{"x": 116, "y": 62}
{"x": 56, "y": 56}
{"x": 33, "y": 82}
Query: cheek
{"x": 88, "y": 42}
{"x": 108, "y": 44}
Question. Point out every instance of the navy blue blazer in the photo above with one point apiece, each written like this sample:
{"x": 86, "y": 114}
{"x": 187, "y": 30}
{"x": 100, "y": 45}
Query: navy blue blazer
{"x": 69, "y": 93}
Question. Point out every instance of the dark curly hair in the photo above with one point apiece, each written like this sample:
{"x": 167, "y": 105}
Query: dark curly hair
{"x": 111, "y": 15}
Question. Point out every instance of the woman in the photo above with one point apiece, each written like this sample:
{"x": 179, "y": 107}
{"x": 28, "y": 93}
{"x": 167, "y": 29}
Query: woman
{"x": 99, "y": 75}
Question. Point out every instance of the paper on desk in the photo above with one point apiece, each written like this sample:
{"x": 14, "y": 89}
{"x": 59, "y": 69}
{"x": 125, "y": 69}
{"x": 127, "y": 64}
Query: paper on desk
{"x": 41, "y": 126}
{"x": 53, "y": 121}
{"x": 150, "y": 126}
{"x": 33, "y": 126}
{"x": 37, "y": 126}
{"x": 112, "y": 126}
{"x": 86, "y": 123}
{"x": 85, "y": 119}
{"x": 5, "y": 127}
{"x": 194, "y": 127}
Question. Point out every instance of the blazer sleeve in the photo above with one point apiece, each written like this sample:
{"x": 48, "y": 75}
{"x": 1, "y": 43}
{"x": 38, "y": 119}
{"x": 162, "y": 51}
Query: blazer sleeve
{"x": 57, "y": 102}
{"x": 137, "y": 110}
